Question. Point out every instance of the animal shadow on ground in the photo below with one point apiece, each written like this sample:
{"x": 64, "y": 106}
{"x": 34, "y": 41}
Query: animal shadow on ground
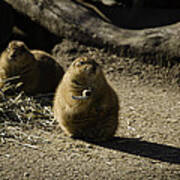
{"x": 135, "y": 146}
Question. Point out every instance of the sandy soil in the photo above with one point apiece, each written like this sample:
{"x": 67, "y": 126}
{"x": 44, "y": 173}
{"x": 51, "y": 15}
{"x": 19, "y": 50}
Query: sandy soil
{"x": 147, "y": 143}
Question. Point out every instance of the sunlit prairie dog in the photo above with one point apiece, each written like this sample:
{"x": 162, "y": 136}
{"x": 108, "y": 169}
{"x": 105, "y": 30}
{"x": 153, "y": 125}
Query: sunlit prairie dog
{"x": 85, "y": 105}
{"x": 37, "y": 70}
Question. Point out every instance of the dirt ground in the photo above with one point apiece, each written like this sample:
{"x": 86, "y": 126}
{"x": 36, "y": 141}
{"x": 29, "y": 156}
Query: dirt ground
{"x": 147, "y": 142}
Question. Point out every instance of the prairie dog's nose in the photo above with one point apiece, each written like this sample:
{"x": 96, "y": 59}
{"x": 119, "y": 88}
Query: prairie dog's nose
{"x": 92, "y": 66}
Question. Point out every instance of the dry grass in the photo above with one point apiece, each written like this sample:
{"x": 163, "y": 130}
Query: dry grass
{"x": 19, "y": 112}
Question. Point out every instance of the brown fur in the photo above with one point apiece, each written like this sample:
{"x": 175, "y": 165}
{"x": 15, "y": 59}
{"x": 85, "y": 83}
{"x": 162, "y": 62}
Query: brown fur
{"x": 96, "y": 116}
{"x": 37, "y": 70}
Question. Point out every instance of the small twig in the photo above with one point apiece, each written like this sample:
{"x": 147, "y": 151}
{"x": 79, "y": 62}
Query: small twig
{"x": 3, "y": 96}
{"x": 44, "y": 95}
{"x": 11, "y": 78}
{"x": 25, "y": 145}
{"x": 30, "y": 146}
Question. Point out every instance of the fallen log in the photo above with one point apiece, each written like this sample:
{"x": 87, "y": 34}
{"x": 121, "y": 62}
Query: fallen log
{"x": 65, "y": 18}
{"x": 6, "y": 15}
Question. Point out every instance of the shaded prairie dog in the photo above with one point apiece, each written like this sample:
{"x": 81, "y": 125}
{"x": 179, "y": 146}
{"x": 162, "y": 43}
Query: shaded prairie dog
{"x": 38, "y": 71}
{"x": 85, "y": 104}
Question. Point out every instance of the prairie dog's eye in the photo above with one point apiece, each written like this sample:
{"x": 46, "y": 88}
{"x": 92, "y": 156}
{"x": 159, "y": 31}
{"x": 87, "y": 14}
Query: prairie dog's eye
{"x": 80, "y": 63}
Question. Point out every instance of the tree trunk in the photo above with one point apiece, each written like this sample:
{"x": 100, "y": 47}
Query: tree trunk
{"x": 65, "y": 18}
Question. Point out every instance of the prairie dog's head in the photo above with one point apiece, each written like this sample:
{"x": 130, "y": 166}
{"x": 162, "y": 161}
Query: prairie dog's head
{"x": 85, "y": 77}
{"x": 85, "y": 70}
{"x": 17, "y": 53}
